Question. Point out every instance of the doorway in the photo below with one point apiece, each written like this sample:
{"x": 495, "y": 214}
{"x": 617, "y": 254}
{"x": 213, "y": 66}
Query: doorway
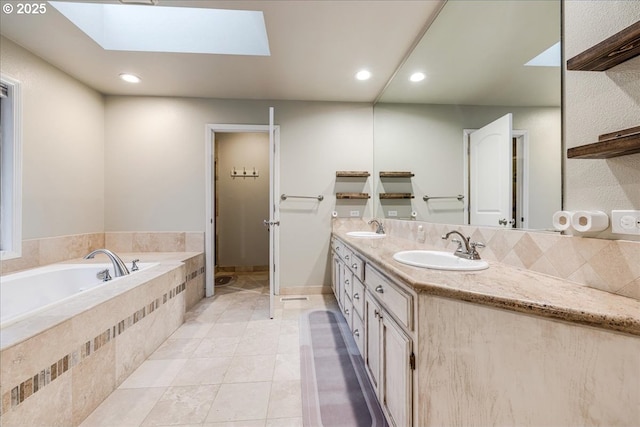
{"x": 214, "y": 134}
{"x": 496, "y": 175}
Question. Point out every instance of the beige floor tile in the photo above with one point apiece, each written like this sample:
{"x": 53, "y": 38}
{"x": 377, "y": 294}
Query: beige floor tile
{"x": 245, "y": 423}
{"x": 192, "y": 330}
{"x": 182, "y": 405}
{"x": 124, "y": 408}
{"x": 203, "y": 371}
{"x": 285, "y": 400}
{"x": 250, "y": 369}
{"x": 154, "y": 373}
{"x": 287, "y": 367}
{"x": 227, "y": 329}
{"x": 284, "y": 422}
{"x": 256, "y": 344}
{"x": 216, "y": 347}
{"x": 240, "y": 401}
{"x": 288, "y": 343}
{"x": 176, "y": 348}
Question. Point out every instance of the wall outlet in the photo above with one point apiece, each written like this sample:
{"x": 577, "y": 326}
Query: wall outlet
{"x": 625, "y": 222}
{"x": 354, "y": 213}
{"x": 392, "y": 213}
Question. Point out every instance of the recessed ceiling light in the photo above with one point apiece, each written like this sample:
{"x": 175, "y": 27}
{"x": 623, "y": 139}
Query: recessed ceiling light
{"x": 417, "y": 77}
{"x": 363, "y": 75}
{"x": 130, "y": 78}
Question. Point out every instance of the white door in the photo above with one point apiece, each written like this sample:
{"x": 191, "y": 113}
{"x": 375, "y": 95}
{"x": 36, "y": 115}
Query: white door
{"x": 274, "y": 213}
{"x": 490, "y": 174}
{"x": 274, "y": 190}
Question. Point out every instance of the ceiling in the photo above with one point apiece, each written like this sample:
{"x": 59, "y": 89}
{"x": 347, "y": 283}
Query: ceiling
{"x": 316, "y": 46}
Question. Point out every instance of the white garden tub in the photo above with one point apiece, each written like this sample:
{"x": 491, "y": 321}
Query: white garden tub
{"x": 29, "y": 292}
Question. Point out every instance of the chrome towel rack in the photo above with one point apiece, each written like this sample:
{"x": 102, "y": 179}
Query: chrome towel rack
{"x": 460, "y": 197}
{"x": 285, "y": 197}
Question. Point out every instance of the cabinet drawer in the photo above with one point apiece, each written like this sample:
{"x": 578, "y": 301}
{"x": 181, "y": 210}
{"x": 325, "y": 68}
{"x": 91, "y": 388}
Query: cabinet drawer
{"x": 358, "y": 332}
{"x": 348, "y": 282}
{"x": 398, "y": 302}
{"x": 347, "y": 311}
{"x": 358, "y": 297}
{"x": 338, "y": 247}
{"x": 354, "y": 263}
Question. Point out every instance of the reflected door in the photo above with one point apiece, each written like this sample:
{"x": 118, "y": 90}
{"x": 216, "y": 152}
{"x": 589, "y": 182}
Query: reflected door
{"x": 490, "y": 174}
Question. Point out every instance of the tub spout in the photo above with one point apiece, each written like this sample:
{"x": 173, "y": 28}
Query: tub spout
{"x": 119, "y": 268}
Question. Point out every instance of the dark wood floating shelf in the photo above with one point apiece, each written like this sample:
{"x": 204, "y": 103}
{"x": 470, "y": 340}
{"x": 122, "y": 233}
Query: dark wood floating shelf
{"x": 396, "y": 196}
{"x": 395, "y": 174}
{"x": 615, "y": 50}
{"x": 609, "y": 145}
{"x": 352, "y": 196}
{"x": 352, "y": 174}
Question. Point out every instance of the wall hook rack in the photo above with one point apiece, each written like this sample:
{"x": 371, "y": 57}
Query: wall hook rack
{"x": 244, "y": 173}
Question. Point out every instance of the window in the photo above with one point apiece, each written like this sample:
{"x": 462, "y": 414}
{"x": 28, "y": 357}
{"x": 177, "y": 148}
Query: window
{"x": 10, "y": 169}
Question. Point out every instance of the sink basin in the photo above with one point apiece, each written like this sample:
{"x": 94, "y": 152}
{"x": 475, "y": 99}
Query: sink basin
{"x": 439, "y": 260}
{"x": 365, "y": 234}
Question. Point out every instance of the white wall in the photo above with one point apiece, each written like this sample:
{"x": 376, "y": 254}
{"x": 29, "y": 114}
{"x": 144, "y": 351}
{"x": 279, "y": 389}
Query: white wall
{"x": 598, "y": 103}
{"x": 63, "y": 148}
{"x": 428, "y": 140}
{"x": 155, "y": 168}
{"x": 242, "y": 202}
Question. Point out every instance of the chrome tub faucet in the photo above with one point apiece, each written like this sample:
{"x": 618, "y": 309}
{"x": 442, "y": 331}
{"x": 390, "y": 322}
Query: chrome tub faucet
{"x": 119, "y": 268}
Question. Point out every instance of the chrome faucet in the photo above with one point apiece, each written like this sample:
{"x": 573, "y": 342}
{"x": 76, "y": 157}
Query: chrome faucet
{"x": 380, "y": 229}
{"x": 119, "y": 268}
{"x": 470, "y": 248}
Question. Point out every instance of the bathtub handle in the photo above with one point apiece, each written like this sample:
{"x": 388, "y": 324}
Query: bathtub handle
{"x": 104, "y": 275}
{"x": 134, "y": 265}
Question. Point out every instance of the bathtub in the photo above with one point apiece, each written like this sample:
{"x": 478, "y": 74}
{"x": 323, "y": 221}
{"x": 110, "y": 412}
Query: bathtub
{"x": 29, "y": 292}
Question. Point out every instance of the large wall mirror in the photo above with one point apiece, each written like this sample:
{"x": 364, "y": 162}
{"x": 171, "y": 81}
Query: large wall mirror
{"x": 480, "y": 135}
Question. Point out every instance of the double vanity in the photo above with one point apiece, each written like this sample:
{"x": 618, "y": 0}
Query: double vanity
{"x": 451, "y": 341}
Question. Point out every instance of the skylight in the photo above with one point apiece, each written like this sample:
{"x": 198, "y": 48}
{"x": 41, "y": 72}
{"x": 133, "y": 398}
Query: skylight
{"x": 549, "y": 58}
{"x": 169, "y": 29}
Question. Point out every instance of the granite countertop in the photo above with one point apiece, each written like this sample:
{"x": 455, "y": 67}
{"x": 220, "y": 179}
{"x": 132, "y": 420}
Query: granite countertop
{"x": 505, "y": 287}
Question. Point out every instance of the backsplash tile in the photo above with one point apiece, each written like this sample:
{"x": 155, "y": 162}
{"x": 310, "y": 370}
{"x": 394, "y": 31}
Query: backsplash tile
{"x": 609, "y": 265}
{"x": 40, "y": 252}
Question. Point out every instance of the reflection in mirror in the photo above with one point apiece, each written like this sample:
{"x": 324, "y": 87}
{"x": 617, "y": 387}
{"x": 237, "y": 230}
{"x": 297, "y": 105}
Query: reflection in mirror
{"x": 473, "y": 57}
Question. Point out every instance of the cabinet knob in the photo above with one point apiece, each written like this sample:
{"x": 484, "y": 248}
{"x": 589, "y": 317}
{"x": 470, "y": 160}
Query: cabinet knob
{"x": 346, "y": 257}
{"x": 377, "y": 314}
{"x": 356, "y": 333}
{"x": 354, "y": 266}
{"x": 346, "y": 311}
{"x": 356, "y": 296}
{"x": 346, "y": 281}
{"x": 379, "y": 289}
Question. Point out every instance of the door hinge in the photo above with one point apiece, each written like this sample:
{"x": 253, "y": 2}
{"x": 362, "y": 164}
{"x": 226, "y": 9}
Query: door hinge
{"x": 412, "y": 361}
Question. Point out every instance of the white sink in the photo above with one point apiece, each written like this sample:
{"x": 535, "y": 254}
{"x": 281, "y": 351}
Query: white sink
{"x": 365, "y": 234}
{"x": 439, "y": 260}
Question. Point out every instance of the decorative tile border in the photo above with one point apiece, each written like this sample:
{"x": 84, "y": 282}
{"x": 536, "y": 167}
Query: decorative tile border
{"x": 44, "y": 377}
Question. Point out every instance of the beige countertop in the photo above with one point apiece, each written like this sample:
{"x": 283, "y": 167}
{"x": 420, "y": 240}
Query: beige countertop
{"x": 505, "y": 287}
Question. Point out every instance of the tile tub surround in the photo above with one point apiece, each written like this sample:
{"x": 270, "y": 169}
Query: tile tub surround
{"x": 609, "y": 265}
{"x": 57, "y": 366}
{"x": 45, "y": 251}
{"x": 502, "y": 285}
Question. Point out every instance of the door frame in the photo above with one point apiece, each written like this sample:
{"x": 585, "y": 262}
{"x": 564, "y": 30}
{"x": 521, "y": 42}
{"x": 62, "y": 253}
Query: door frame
{"x": 522, "y": 137}
{"x": 209, "y": 229}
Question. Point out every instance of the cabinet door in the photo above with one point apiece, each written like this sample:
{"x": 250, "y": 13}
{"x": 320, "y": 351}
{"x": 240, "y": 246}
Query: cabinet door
{"x": 336, "y": 283}
{"x": 396, "y": 369}
{"x": 372, "y": 339}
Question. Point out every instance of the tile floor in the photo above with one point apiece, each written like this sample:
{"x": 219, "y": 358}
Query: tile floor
{"x": 227, "y": 365}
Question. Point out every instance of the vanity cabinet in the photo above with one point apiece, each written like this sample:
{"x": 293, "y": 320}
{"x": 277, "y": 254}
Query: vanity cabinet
{"x": 389, "y": 347}
{"x": 380, "y": 315}
{"x": 348, "y": 272}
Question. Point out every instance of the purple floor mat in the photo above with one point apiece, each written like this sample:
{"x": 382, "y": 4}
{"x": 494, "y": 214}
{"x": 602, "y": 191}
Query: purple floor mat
{"x": 335, "y": 388}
